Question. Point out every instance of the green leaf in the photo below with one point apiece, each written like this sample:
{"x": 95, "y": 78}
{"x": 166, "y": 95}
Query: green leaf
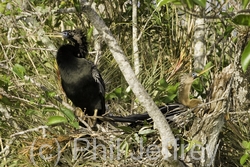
{"x": 244, "y": 158}
{"x": 111, "y": 96}
{"x": 169, "y": 98}
{"x": 228, "y": 31}
{"x": 165, "y": 2}
{"x": 197, "y": 85}
{"x": 19, "y": 70}
{"x": 136, "y": 138}
{"x": 2, "y": 8}
{"x": 201, "y": 3}
{"x": 245, "y": 57}
{"x": 146, "y": 131}
{"x": 242, "y": 19}
{"x": 49, "y": 65}
{"x": 51, "y": 94}
{"x": 163, "y": 82}
{"x": 118, "y": 91}
{"x": 126, "y": 129}
{"x": 4, "y": 82}
{"x": 245, "y": 3}
{"x": 125, "y": 146}
{"x": 245, "y": 144}
{"x": 30, "y": 112}
{"x": 63, "y": 4}
{"x": 56, "y": 120}
{"x": 77, "y": 5}
{"x": 90, "y": 33}
{"x": 189, "y": 3}
{"x": 49, "y": 109}
{"x": 162, "y": 85}
{"x": 172, "y": 89}
{"x": 75, "y": 124}
{"x": 68, "y": 113}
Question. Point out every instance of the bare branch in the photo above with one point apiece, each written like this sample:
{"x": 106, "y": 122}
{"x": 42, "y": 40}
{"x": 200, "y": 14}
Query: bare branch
{"x": 168, "y": 140}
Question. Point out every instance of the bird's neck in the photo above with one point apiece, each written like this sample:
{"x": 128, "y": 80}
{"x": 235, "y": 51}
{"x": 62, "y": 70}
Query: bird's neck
{"x": 82, "y": 46}
{"x": 183, "y": 94}
{"x": 83, "y": 51}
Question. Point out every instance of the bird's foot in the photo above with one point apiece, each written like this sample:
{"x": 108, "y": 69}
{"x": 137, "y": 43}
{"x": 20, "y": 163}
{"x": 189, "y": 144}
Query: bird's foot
{"x": 80, "y": 113}
{"x": 90, "y": 120}
{"x": 94, "y": 119}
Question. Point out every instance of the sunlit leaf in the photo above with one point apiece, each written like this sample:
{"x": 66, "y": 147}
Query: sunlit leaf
{"x": 146, "y": 131}
{"x": 169, "y": 98}
{"x": 19, "y": 70}
{"x": 49, "y": 65}
{"x": 244, "y": 158}
{"x": 118, "y": 91}
{"x": 51, "y": 93}
{"x": 2, "y": 8}
{"x": 62, "y": 4}
{"x": 111, "y": 96}
{"x": 4, "y": 82}
{"x": 172, "y": 89}
{"x": 197, "y": 85}
{"x": 90, "y": 33}
{"x": 136, "y": 137}
{"x": 68, "y": 113}
{"x": 56, "y": 120}
{"x": 163, "y": 82}
{"x": 245, "y": 3}
{"x": 49, "y": 109}
{"x": 165, "y": 2}
{"x": 245, "y": 57}
{"x": 245, "y": 144}
{"x": 242, "y": 19}
{"x": 201, "y": 3}
{"x": 75, "y": 124}
{"x": 125, "y": 146}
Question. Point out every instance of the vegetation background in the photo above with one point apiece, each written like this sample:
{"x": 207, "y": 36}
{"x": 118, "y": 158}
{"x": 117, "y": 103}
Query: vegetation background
{"x": 29, "y": 84}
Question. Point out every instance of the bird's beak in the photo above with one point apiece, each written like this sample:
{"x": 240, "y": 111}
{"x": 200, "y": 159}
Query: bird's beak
{"x": 55, "y": 35}
{"x": 203, "y": 71}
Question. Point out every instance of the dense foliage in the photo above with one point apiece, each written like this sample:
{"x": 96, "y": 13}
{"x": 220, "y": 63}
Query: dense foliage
{"x": 30, "y": 87}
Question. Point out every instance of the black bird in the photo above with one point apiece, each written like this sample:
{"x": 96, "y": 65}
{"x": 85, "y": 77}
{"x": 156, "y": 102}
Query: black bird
{"x": 80, "y": 79}
{"x": 83, "y": 84}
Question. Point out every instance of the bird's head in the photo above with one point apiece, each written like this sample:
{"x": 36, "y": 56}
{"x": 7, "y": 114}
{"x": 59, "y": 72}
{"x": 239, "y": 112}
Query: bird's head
{"x": 76, "y": 36}
{"x": 189, "y": 78}
{"x": 79, "y": 39}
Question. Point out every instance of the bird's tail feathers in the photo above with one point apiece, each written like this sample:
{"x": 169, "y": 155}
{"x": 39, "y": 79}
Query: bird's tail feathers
{"x": 169, "y": 111}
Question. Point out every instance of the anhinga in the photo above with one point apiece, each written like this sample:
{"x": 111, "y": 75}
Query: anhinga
{"x": 185, "y": 88}
{"x": 80, "y": 79}
{"x": 83, "y": 84}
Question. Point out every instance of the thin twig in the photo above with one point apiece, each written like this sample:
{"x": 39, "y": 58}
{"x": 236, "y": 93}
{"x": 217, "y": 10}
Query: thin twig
{"x": 31, "y": 130}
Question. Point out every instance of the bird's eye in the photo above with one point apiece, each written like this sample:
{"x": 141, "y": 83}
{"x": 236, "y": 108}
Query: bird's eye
{"x": 194, "y": 75}
{"x": 65, "y": 34}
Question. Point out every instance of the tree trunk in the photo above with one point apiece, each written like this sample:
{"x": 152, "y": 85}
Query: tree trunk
{"x": 160, "y": 123}
{"x": 135, "y": 38}
{"x": 199, "y": 44}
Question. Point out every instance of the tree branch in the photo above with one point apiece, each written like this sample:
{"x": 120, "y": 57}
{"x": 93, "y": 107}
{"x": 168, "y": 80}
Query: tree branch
{"x": 160, "y": 123}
